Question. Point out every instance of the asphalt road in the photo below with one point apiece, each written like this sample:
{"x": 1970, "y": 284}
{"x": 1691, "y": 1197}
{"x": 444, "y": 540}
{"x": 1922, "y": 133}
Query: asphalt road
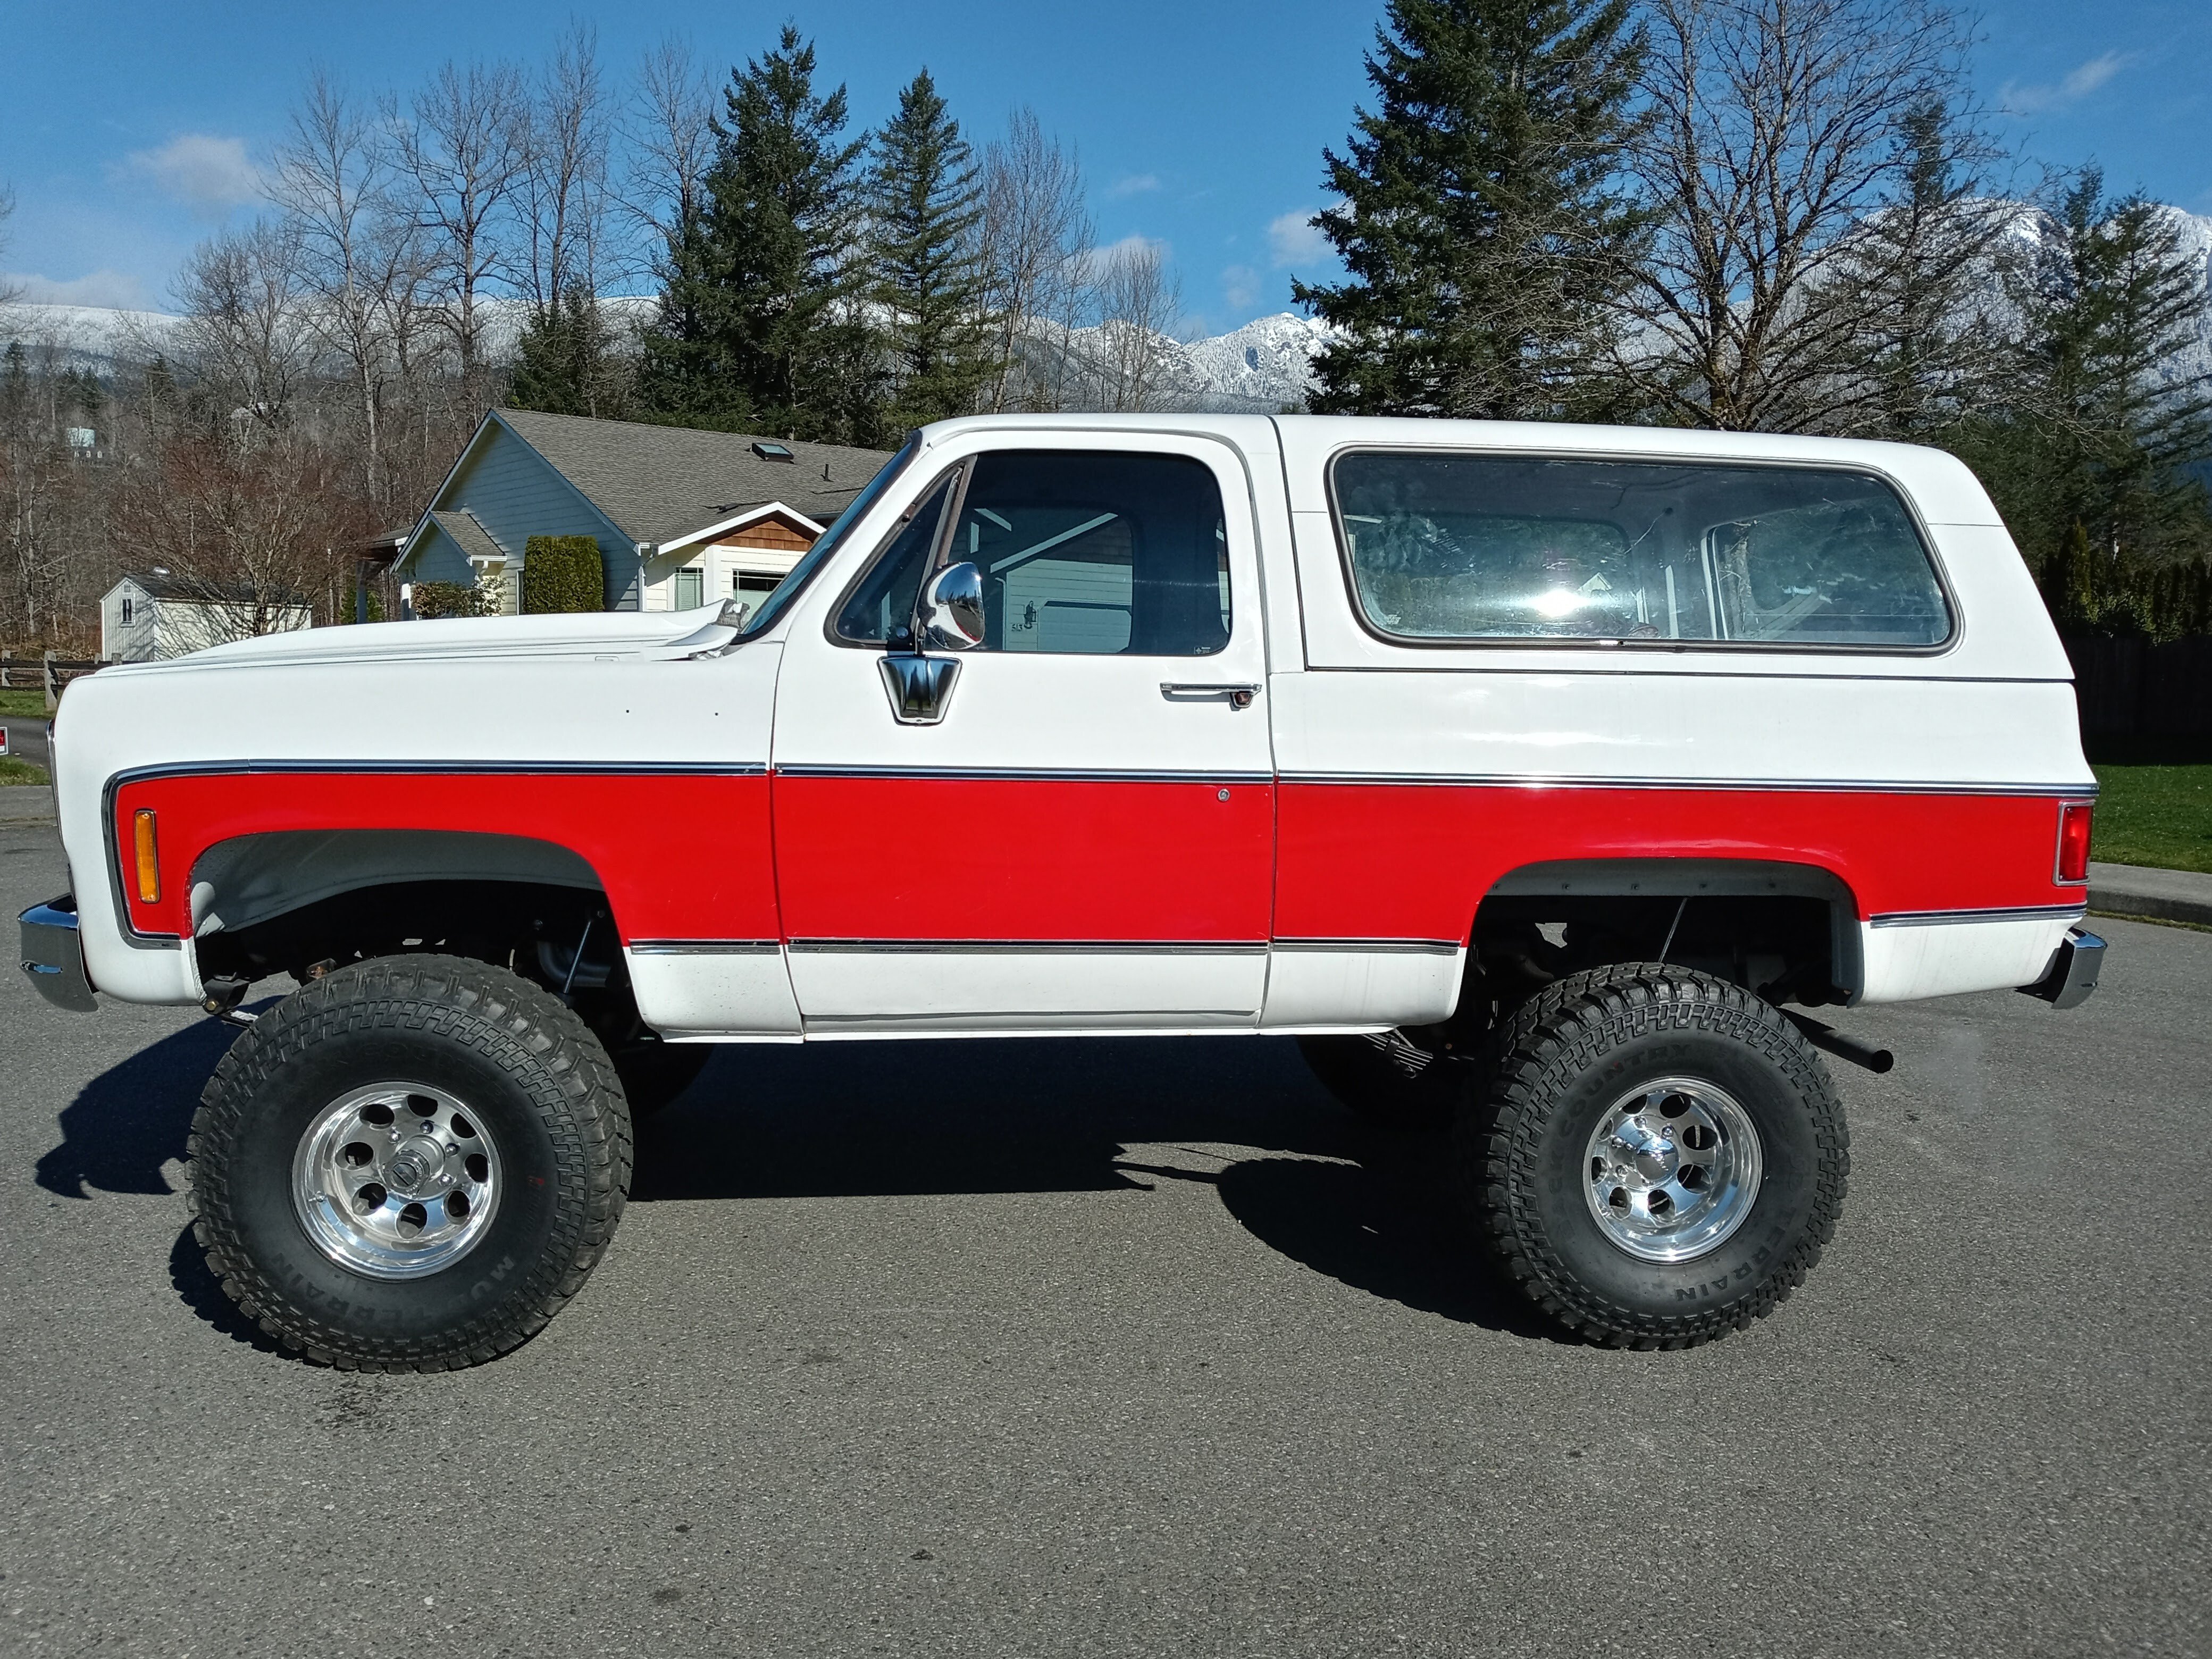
{"x": 1138, "y": 1348}
{"x": 27, "y": 738}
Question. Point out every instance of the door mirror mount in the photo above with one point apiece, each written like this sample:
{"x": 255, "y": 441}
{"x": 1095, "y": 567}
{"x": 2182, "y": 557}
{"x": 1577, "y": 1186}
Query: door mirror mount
{"x": 918, "y": 687}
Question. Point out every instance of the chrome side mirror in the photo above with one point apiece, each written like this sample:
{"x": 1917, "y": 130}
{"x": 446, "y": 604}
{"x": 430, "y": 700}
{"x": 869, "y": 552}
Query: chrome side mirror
{"x": 952, "y": 608}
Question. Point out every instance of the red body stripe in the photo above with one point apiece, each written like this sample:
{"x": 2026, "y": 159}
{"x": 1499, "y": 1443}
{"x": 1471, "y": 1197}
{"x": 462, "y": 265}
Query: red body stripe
{"x": 1397, "y": 860}
{"x": 688, "y": 856}
{"x": 1024, "y": 858}
{"x": 682, "y": 855}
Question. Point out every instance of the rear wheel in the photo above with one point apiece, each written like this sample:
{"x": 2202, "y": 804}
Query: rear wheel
{"x": 410, "y": 1164}
{"x": 1659, "y": 1157}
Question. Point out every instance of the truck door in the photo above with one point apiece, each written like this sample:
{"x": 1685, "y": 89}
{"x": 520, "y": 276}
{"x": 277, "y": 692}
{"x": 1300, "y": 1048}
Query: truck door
{"x": 1069, "y": 821}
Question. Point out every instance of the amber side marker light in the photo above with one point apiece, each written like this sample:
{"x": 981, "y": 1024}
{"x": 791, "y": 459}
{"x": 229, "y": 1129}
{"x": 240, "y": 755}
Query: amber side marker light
{"x": 149, "y": 862}
{"x": 2073, "y": 841}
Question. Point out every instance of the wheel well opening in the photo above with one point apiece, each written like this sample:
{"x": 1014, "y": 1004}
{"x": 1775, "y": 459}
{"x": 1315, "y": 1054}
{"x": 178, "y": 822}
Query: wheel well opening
{"x": 304, "y": 902}
{"x": 1785, "y": 932}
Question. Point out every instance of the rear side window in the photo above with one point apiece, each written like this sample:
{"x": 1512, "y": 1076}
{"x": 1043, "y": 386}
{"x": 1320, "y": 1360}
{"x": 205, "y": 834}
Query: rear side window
{"x": 1482, "y": 547}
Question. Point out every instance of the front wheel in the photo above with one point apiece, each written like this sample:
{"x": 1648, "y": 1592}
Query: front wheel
{"x": 410, "y": 1164}
{"x": 1659, "y": 1157}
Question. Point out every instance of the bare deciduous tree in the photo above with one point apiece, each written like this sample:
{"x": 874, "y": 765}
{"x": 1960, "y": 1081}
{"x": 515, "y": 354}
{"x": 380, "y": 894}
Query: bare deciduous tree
{"x": 1137, "y": 302}
{"x": 1033, "y": 229}
{"x": 459, "y": 143}
{"x": 330, "y": 181}
{"x": 244, "y": 335}
{"x": 561, "y": 191}
{"x": 1775, "y": 130}
{"x": 256, "y": 529}
{"x": 10, "y": 292}
{"x": 669, "y": 131}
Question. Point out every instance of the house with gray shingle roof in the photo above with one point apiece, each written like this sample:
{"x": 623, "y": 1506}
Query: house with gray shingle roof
{"x": 682, "y": 517}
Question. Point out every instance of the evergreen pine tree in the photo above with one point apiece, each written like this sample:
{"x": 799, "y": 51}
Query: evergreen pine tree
{"x": 2088, "y": 434}
{"x": 1915, "y": 275}
{"x": 925, "y": 202}
{"x": 566, "y": 362}
{"x": 1480, "y": 222}
{"x": 760, "y": 322}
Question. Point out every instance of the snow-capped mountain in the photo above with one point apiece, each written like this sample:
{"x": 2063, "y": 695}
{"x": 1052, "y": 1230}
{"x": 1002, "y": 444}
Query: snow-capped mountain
{"x": 1261, "y": 368}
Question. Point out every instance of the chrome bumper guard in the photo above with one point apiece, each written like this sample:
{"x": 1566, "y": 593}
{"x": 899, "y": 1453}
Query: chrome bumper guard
{"x": 2073, "y": 973}
{"x": 54, "y": 957}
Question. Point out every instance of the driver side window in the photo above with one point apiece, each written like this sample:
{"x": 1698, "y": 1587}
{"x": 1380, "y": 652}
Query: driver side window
{"x": 1080, "y": 553}
{"x": 1097, "y": 554}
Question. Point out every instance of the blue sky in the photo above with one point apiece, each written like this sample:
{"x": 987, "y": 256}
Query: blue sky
{"x": 129, "y": 131}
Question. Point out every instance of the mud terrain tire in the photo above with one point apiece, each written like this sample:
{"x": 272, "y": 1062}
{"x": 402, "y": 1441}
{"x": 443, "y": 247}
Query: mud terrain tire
{"x": 539, "y": 1093}
{"x": 1569, "y": 1057}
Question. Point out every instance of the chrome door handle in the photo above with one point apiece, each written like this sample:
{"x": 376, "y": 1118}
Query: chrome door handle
{"x": 1240, "y": 693}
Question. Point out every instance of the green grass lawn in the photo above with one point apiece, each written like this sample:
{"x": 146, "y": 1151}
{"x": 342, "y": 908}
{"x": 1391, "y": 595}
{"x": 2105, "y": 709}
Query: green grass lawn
{"x": 17, "y": 704}
{"x": 2156, "y": 807}
{"x": 19, "y": 771}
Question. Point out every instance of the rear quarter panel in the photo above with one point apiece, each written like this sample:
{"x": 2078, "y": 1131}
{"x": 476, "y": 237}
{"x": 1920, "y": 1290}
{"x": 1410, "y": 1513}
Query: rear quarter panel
{"x": 1414, "y": 776}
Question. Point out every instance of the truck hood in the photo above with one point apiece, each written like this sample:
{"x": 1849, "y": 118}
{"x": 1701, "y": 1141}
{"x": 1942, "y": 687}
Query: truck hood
{"x": 592, "y": 634}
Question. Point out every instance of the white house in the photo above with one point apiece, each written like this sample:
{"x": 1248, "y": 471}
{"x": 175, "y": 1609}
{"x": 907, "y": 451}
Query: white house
{"x": 154, "y": 614}
{"x": 681, "y": 516}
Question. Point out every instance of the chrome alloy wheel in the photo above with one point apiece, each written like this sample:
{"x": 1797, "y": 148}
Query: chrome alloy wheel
{"x": 1672, "y": 1170}
{"x": 396, "y": 1180}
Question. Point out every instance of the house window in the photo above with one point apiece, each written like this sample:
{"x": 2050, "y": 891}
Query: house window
{"x": 754, "y": 581}
{"x": 126, "y": 610}
{"x": 690, "y": 588}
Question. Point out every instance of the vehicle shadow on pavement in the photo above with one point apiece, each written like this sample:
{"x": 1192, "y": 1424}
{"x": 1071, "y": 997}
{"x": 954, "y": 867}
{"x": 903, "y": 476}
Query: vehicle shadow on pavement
{"x": 133, "y": 1118}
{"x": 202, "y": 1292}
{"x": 1303, "y": 1175}
{"x": 1365, "y": 1207}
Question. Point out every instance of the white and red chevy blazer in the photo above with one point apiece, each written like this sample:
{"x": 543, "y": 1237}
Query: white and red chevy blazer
{"x": 1375, "y": 729}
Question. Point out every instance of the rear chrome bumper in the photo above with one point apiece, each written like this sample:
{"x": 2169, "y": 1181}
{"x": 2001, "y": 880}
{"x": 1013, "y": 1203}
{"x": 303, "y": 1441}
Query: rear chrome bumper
{"x": 2073, "y": 973}
{"x": 53, "y": 955}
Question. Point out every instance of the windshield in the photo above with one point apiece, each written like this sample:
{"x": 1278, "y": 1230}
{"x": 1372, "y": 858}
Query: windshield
{"x": 816, "y": 557}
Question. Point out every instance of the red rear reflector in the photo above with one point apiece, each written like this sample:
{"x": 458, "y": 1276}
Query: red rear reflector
{"x": 149, "y": 862}
{"x": 2073, "y": 841}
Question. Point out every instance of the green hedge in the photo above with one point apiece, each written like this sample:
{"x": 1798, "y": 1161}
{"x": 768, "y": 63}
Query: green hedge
{"x": 563, "y": 574}
{"x": 429, "y": 599}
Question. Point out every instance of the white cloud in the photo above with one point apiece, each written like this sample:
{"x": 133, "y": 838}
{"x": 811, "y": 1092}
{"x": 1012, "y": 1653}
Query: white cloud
{"x": 113, "y": 289}
{"x": 1296, "y": 239}
{"x": 209, "y": 174}
{"x": 1240, "y": 286}
{"x": 1095, "y": 260}
{"x": 1135, "y": 185}
{"x": 2080, "y": 82}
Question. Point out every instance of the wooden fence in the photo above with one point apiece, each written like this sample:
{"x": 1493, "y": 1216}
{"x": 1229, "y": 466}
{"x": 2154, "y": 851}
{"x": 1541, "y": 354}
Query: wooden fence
{"x": 2131, "y": 688}
{"x": 44, "y": 672}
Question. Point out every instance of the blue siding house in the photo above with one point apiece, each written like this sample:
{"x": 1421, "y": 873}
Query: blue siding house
{"x": 683, "y": 517}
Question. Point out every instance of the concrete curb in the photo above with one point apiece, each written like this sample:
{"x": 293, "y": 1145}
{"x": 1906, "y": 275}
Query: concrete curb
{"x": 2130, "y": 889}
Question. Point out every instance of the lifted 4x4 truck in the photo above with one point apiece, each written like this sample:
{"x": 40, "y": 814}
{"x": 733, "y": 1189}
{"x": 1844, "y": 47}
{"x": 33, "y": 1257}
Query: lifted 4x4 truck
{"x": 1534, "y": 778}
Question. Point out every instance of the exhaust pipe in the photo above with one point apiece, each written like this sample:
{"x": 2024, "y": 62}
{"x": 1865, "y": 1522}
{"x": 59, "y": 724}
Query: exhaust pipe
{"x": 1843, "y": 1047}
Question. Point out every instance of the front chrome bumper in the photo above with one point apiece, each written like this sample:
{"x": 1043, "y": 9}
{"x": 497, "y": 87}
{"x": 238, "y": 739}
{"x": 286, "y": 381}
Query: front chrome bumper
{"x": 53, "y": 955}
{"x": 2074, "y": 970}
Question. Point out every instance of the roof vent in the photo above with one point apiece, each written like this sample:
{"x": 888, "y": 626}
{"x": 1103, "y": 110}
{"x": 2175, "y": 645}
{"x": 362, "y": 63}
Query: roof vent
{"x": 768, "y": 451}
